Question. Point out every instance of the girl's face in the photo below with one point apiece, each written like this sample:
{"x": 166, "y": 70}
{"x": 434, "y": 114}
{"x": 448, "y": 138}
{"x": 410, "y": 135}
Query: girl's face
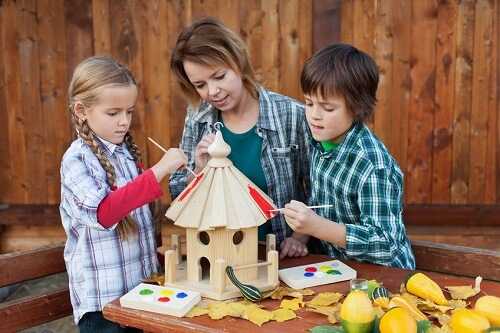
{"x": 111, "y": 115}
{"x": 328, "y": 118}
{"x": 218, "y": 85}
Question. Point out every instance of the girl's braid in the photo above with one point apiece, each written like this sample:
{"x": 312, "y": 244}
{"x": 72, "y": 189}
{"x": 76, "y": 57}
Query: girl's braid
{"x": 128, "y": 226}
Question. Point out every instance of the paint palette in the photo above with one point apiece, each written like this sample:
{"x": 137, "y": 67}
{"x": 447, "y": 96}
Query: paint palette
{"x": 165, "y": 300}
{"x": 316, "y": 274}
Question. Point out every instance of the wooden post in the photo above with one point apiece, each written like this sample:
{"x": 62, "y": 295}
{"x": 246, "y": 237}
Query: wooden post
{"x": 219, "y": 276}
{"x": 270, "y": 243}
{"x": 272, "y": 270}
{"x": 170, "y": 263}
{"x": 176, "y": 246}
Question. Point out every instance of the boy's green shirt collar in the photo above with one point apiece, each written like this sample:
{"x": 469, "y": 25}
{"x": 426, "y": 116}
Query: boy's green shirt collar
{"x": 329, "y": 145}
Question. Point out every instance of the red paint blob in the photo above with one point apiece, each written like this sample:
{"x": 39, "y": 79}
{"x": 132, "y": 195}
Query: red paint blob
{"x": 311, "y": 269}
{"x": 164, "y": 299}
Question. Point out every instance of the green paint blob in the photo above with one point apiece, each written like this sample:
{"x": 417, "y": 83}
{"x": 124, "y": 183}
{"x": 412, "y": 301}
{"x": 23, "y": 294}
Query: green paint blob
{"x": 145, "y": 292}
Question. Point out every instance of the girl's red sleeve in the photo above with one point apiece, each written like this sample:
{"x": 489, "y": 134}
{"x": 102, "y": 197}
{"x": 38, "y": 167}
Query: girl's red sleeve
{"x": 120, "y": 202}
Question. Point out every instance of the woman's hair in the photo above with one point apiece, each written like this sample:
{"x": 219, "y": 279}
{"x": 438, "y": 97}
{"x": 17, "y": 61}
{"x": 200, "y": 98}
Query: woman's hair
{"x": 209, "y": 42}
{"x": 89, "y": 77}
{"x": 343, "y": 70}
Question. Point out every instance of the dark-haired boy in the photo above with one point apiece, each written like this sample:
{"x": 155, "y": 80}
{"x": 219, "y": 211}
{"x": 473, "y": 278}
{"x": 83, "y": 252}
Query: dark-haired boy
{"x": 351, "y": 169}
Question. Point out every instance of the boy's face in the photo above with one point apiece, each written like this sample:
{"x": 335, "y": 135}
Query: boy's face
{"x": 328, "y": 118}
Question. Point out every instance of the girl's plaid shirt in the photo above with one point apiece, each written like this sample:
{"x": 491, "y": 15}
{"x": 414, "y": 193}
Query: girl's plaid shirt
{"x": 285, "y": 150}
{"x": 365, "y": 186}
{"x": 100, "y": 266}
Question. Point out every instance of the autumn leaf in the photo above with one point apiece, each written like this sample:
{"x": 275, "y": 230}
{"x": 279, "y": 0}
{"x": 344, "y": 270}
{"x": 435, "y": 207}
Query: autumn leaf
{"x": 325, "y": 299}
{"x": 281, "y": 315}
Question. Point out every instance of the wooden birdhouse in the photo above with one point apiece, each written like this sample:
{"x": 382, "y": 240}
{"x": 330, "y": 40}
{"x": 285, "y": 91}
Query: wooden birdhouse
{"x": 221, "y": 210}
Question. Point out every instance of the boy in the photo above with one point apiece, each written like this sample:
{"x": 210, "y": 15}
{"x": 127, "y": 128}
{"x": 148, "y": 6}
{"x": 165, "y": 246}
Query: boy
{"x": 351, "y": 170}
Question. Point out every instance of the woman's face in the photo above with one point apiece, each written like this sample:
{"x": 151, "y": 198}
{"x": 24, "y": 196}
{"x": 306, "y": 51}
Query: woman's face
{"x": 219, "y": 85}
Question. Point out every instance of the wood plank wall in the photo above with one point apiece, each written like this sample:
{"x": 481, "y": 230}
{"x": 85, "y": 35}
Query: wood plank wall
{"x": 43, "y": 40}
{"x": 439, "y": 92}
{"x": 438, "y": 97}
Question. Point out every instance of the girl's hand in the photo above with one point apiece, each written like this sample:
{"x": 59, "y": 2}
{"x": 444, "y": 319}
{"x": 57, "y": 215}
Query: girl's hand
{"x": 201, "y": 152}
{"x": 300, "y": 218}
{"x": 172, "y": 160}
{"x": 292, "y": 247}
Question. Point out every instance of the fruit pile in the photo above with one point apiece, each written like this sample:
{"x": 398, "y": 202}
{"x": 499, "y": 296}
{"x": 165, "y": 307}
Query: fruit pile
{"x": 421, "y": 299}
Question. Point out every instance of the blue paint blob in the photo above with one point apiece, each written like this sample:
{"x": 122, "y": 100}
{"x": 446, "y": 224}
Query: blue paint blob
{"x": 308, "y": 274}
{"x": 181, "y": 295}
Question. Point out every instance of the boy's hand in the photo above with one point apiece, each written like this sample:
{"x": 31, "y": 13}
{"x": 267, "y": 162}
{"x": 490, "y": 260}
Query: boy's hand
{"x": 292, "y": 247}
{"x": 201, "y": 152}
{"x": 300, "y": 218}
{"x": 172, "y": 160}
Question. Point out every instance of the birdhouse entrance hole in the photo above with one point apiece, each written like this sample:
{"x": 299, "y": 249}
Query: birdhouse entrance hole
{"x": 238, "y": 237}
{"x": 204, "y": 237}
{"x": 204, "y": 268}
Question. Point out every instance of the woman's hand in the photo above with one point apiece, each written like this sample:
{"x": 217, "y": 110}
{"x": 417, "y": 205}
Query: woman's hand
{"x": 293, "y": 247}
{"x": 201, "y": 152}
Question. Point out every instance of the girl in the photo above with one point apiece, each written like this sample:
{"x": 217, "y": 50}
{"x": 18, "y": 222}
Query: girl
{"x": 105, "y": 192}
{"x": 267, "y": 132}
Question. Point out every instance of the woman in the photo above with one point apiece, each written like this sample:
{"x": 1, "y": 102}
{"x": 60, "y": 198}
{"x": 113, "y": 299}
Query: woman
{"x": 267, "y": 132}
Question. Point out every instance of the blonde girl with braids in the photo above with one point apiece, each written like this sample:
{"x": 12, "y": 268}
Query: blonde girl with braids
{"x": 105, "y": 193}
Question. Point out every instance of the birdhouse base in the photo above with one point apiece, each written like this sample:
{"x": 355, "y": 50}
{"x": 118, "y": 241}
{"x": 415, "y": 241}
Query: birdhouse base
{"x": 220, "y": 287}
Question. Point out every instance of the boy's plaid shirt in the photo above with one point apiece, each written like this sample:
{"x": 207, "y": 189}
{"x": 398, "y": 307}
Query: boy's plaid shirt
{"x": 365, "y": 186}
{"x": 285, "y": 150}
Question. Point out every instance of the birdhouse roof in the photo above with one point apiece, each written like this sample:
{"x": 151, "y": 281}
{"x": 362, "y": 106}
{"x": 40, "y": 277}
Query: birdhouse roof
{"x": 220, "y": 196}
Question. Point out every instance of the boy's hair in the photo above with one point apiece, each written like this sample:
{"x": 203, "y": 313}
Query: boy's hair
{"x": 89, "y": 77}
{"x": 343, "y": 70}
{"x": 209, "y": 42}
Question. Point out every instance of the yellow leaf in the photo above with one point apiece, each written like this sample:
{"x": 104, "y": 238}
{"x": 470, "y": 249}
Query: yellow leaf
{"x": 442, "y": 318}
{"x": 285, "y": 291}
{"x": 197, "y": 311}
{"x": 281, "y": 315}
{"x": 457, "y": 303}
{"x": 258, "y": 316}
{"x": 236, "y": 309}
{"x": 462, "y": 292}
{"x": 332, "y": 312}
{"x": 325, "y": 299}
{"x": 427, "y": 305}
{"x": 436, "y": 329}
{"x": 292, "y": 304}
{"x": 218, "y": 310}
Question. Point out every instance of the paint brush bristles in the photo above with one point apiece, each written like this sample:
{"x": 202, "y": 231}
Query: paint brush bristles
{"x": 164, "y": 150}
{"x": 312, "y": 207}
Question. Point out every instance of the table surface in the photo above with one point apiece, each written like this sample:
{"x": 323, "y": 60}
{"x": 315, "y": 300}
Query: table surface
{"x": 391, "y": 278}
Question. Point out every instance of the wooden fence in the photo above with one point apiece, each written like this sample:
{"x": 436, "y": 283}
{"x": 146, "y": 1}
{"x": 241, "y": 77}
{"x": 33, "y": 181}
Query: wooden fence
{"x": 438, "y": 97}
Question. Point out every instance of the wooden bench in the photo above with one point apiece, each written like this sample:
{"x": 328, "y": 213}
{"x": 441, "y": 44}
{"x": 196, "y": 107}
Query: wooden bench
{"x": 33, "y": 310}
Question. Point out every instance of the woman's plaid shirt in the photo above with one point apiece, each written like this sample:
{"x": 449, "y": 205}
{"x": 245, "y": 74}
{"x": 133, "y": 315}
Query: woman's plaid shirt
{"x": 285, "y": 150}
{"x": 365, "y": 186}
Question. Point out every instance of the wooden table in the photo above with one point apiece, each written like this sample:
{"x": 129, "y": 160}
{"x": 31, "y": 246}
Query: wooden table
{"x": 391, "y": 277}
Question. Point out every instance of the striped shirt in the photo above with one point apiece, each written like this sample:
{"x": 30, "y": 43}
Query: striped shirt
{"x": 365, "y": 186}
{"x": 285, "y": 150}
{"x": 100, "y": 266}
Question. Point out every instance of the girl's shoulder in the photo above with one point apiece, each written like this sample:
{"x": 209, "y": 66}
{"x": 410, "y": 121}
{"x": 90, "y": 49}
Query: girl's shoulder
{"x": 79, "y": 155}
